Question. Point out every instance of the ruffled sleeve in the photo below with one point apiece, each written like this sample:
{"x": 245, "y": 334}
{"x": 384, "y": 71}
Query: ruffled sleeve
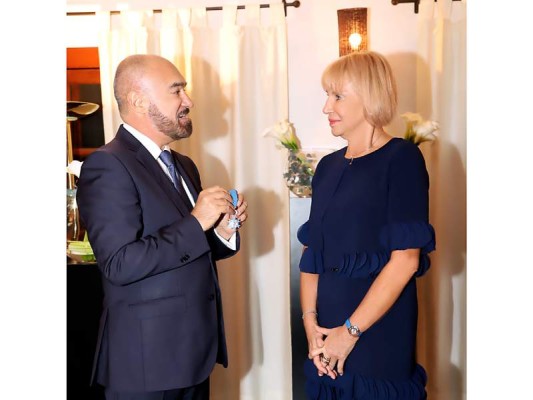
{"x": 311, "y": 260}
{"x": 408, "y": 206}
{"x": 411, "y": 235}
{"x": 414, "y": 235}
{"x": 303, "y": 234}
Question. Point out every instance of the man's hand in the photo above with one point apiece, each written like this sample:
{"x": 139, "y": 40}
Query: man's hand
{"x": 212, "y": 203}
{"x": 222, "y": 226}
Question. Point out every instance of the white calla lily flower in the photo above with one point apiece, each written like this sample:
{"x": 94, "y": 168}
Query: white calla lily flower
{"x": 283, "y": 131}
{"x": 413, "y": 118}
{"x": 419, "y": 130}
{"x": 426, "y": 131}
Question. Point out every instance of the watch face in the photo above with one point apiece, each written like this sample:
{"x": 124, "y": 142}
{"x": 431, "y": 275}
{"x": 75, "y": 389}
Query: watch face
{"x": 353, "y": 331}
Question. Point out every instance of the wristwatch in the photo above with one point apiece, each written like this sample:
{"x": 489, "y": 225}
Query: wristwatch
{"x": 353, "y": 329}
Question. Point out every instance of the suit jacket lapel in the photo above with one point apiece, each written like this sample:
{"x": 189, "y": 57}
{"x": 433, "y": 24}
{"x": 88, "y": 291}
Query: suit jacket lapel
{"x": 147, "y": 160}
{"x": 191, "y": 185}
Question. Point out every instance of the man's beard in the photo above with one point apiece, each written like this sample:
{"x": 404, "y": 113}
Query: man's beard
{"x": 173, "y": 129}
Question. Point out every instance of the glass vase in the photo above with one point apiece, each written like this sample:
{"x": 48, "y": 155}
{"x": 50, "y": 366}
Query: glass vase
{"x": 300, "y": 190}
{"x": 73, "y": 216}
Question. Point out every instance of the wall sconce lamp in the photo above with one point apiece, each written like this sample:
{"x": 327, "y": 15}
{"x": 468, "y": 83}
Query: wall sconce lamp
{"x": 352, "y": 30}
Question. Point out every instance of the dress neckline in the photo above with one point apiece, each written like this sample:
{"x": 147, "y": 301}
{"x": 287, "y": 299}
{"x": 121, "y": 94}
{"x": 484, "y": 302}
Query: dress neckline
{"x": 351, "y": 159}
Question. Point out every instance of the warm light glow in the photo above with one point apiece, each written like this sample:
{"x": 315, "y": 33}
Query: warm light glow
{"x": 353, "y": 34}
{"x": 355, "y": 40}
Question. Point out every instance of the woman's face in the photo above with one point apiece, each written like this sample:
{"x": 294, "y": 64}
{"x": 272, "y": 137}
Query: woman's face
{"x": 345, "y": 111}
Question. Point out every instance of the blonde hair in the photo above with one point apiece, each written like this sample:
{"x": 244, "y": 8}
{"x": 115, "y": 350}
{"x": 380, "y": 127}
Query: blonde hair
{"x": 371, "y": 77}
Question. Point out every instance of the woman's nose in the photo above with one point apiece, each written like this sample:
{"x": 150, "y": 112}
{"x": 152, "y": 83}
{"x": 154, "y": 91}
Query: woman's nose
{"x": 327, "y": 107}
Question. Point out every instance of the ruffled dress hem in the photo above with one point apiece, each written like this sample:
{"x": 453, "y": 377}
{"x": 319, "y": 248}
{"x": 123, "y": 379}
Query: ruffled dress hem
{"x": 358, "y": 387}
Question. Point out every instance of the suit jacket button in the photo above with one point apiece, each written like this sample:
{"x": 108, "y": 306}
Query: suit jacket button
{"x": 211, "y": 297}
{"x": 335, "y": 269}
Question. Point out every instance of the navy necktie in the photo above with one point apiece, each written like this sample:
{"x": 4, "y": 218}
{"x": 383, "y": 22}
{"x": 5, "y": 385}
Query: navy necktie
{"x": 168, "y": 159}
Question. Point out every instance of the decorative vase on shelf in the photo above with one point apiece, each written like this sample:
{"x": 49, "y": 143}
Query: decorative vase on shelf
{"x": 73, "y": 217}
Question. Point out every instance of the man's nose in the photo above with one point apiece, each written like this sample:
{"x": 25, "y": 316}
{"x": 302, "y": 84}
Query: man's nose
{"x": 186, "y": 100}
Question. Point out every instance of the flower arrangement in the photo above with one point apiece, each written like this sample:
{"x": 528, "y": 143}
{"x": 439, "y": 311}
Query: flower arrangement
{"x": 419, "y": 130}
{"x": 300, "y": 168}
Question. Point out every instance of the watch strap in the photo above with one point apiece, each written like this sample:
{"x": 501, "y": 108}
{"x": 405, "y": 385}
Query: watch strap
{"x": 353, "y": 329}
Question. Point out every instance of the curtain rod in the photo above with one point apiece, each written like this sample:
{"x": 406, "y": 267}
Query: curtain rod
{"x": 416, "y": 3}
{"x": 294, "y": 4}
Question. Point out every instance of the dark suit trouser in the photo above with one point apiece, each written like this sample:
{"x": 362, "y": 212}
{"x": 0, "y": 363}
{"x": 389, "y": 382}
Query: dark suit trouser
{"x": 197, "y": 392}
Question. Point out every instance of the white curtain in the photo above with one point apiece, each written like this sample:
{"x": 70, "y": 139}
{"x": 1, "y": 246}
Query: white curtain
{"x": 441, "y": 96}
{"x": 235, "y": 63}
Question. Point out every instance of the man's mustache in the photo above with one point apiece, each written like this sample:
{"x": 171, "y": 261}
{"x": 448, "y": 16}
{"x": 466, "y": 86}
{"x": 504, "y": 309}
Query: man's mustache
{"x": 184, "y": 112}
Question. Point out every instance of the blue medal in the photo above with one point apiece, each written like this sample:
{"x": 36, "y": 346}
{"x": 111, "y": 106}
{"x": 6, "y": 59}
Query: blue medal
{"x": 234, "y": 222}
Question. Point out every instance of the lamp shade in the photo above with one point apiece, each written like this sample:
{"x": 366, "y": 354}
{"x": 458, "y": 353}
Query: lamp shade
{"x": 77, "y": 109}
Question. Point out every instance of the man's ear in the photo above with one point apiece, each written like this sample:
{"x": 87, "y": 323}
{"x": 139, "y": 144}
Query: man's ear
{"x": 138, "y": 102}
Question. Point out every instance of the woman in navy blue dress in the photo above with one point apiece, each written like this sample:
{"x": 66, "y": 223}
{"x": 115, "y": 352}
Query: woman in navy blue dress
{"x": 366, "y": 241}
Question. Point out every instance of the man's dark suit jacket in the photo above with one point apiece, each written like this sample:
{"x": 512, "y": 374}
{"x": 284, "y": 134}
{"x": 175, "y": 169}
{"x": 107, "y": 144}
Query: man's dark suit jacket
{"x": 162, "y": 325}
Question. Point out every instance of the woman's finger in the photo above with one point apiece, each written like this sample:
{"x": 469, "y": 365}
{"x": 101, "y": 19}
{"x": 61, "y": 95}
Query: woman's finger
{"x": 340, "y": 367}
{"x": 317, "y": 351}
{"x": 319, "y": 366}
{"x": 331, "y": 372}
{"x": 323, "y": 331}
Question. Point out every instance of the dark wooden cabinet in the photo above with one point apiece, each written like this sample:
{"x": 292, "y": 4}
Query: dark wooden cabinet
{"x": 84, "y": 306}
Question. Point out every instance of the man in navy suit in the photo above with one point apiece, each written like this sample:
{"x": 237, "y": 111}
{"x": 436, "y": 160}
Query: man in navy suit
{"x": 156, "y": 235}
